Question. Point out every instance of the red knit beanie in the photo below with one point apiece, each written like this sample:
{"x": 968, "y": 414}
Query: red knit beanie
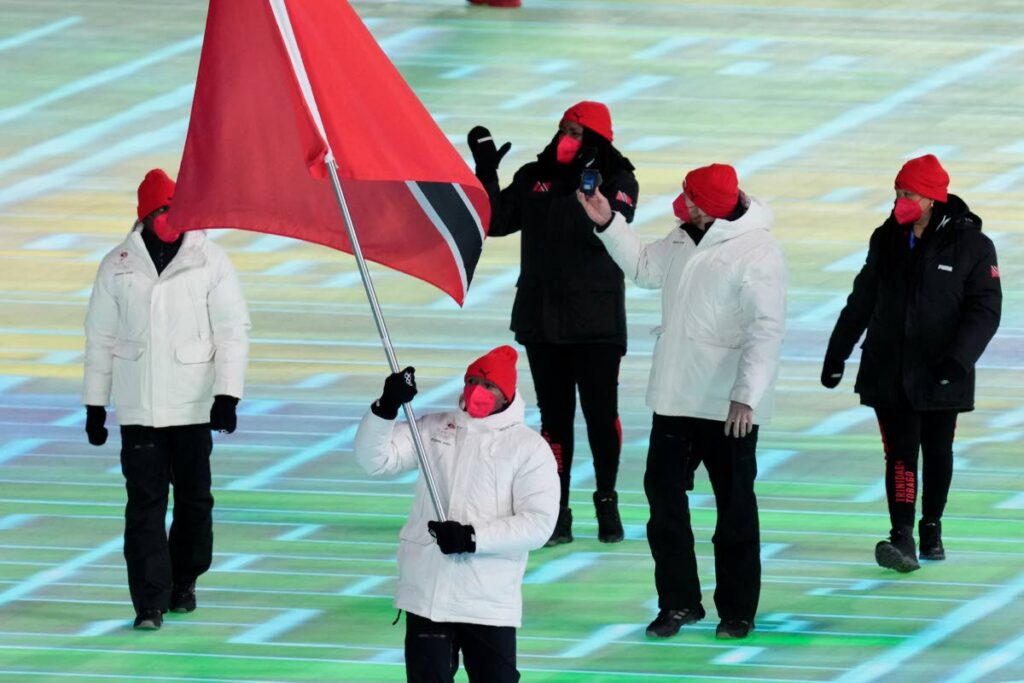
{"x": 714, "y": 189}
{"x": 592, "y": 115}
{"x": 156, "y": 190}
{"x": 499, "y": 366}
{"x": 925, "y": 176}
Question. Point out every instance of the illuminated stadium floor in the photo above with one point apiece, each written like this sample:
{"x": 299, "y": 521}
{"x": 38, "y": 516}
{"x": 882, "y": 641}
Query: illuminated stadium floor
{"x": 817, "y": 104}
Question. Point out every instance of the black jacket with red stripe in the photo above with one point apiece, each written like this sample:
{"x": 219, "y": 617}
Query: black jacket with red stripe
{"x": 940, "y": 299}
{"x": 569, "y": 290}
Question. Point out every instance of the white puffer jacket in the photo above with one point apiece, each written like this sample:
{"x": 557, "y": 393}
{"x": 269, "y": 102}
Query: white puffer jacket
{"x": 162, "y": 346}
{"x": 723, "y": 313}
{"x": 493, "y": 473}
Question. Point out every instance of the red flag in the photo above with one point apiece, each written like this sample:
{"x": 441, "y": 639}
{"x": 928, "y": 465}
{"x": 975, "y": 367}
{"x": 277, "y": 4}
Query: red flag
{"x": 282, "y": 83}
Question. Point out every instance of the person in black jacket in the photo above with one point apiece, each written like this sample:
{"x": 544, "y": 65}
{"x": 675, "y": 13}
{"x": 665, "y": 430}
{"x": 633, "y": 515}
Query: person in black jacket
{"x": 930, "y": 299}
{"x": 570, "y": 308}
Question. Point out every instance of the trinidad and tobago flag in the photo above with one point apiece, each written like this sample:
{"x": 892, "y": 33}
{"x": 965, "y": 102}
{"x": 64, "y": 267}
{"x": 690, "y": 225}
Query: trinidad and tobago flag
{"x": 284, "y": 85}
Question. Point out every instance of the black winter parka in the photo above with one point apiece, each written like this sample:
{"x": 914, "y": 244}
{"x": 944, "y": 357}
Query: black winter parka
{"x": 569, "y": 289}
{"x": 939, "y": 300}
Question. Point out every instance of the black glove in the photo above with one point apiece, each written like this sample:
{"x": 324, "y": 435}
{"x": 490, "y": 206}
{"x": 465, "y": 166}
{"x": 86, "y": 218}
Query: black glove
{"x": 222, "y": 414}
{"x": 486, "y": 156}
{"x": 948, "y": 371}
{"x": 399, "y": 388}
{"x": 832, "y": 372}
{"x": 95, "y": 417}
{"x": 453, "y": 537}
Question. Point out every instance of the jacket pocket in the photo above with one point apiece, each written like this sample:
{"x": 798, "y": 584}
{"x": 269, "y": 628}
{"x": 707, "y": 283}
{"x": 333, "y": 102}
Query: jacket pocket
{"x": 527, "y": 311}
{"x": 195, "y": 352}
{"x": 489, "y": 585}
{"x": 592, "y": 314}
{"x": 950, "y": 396}
{"x": 503, "y": 475}
{"x": 722, "y": 342}
{"x": 128, "y": 350}
{"x": 193, "y": 373}
{"x": 126, "y": 381}
{"x": 416, "y": 533}
{"x": 709, "y": 322}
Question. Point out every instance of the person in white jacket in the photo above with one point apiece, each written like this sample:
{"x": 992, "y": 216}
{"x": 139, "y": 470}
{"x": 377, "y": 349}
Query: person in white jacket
{"x": 167, "y": 339}
{"x": 723, "y": 282}
{"x": 460, "y": 581}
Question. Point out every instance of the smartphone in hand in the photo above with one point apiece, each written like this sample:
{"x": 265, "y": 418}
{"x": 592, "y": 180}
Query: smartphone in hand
{"x": 590, "y": 180}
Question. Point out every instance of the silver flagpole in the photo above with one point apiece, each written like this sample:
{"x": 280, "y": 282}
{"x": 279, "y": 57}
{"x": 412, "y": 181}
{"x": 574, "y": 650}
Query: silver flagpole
{"x": 284, "y": 24}
{"x": 378, "y": 318}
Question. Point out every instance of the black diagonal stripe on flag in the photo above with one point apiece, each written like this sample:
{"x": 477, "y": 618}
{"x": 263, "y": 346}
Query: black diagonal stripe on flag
{"x": 463, "y": 225}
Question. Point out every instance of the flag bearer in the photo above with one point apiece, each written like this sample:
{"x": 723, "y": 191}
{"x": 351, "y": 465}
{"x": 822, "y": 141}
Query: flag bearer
{"x": 460, "y": 581}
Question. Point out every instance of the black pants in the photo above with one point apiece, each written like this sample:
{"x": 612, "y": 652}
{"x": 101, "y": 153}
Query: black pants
{"x": 151, "y": 459}
{"x": 432, "y": 651}
{"x": 678, "y": 446}
{"x": 905, "y": 432}
{"x": 558, "y": 370}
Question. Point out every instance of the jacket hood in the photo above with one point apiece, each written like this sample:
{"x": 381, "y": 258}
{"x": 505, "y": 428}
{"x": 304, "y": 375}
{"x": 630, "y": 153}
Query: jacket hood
{"x": 193, "y": 238}
{"x": 514, "y": 414}
{"x": 960, "y": 215}
{"x": 954, "y": 213}
{"x": 757, "y": 217}
{"x": 191, "y": 253}
{"x": 607, "y": 158}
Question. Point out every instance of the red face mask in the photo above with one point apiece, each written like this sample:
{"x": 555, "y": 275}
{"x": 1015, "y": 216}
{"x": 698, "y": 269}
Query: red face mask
{"x": 907, "y": 211}
{"x": 480, "y": 401}
{"x": 567, "y": 149}
{"x": 163, "y": 231}
{"x": 680, "y": 209}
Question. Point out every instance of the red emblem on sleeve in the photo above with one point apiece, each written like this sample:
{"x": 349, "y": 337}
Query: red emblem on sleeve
{"x": 995, "y": 272}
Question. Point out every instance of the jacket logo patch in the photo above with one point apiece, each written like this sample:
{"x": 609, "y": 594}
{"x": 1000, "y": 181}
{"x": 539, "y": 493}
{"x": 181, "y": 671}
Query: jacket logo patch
{"x": 540, "y": 186}
{"x": 948, "y": 269}
{"x": 624, "y": 198}
{"x": 995, "y": 272}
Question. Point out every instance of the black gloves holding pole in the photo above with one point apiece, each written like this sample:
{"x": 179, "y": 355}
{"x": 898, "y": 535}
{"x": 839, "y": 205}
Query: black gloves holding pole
{"x": 399, "y": 388}
{"x": 453, "y": 537}
{"x": 486, "y": 156}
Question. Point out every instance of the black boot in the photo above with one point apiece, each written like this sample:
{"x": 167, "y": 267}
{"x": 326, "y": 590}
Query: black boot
{"x": 609, "y": 524}
{"x": 148, "y": 620}
{"x": 898, "y": 552}
{"x": 183, "y": 597}
{"x": 733, "y": 629}
{"x": 563, "y": 529}
{"x": 930, "y": 534}
{"x": 669, "y": 621}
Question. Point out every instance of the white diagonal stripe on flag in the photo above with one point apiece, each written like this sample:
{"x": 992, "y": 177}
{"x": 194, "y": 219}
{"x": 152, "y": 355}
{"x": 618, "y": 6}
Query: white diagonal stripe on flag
{"x": 284, "y": 26}
{"x": 443, "y": 229}
{"x": 471, "y": 209}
